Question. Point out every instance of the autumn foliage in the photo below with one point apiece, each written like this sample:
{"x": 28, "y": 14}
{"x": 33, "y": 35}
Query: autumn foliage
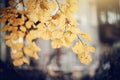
{"x": 46, "y": 19}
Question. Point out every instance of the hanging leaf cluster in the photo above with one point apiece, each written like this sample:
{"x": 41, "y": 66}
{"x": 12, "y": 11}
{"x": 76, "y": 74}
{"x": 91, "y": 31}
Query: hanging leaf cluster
{"x": 46, "y": 19}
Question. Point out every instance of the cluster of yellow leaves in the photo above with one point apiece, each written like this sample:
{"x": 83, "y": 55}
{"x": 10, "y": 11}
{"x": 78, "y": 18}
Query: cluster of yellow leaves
{"x": 83, "y": 50}
{"x": 46, "y": 19}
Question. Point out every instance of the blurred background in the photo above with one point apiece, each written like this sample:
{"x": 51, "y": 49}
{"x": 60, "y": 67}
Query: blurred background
{"x": 99, "y": 18}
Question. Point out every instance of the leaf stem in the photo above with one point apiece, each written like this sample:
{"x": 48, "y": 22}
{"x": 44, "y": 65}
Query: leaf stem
{"x": 58, "y": 6}
{"x": 80, "y": 39}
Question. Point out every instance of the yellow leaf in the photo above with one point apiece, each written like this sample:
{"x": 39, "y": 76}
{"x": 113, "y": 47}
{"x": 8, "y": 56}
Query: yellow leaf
{"x": 28, "y": 24}
{"x": 73, "y": 29}
{"x": 70, "y": 35}
{"x": 29, "y": 38}
{"x": 7, "y": 36}
{"x": 12, "y": 28}
{"x": 16, "y": 21}
{"x": 9, "y": 43}
{"x": 63, "y": 7}
{"x": 34, "y": 47}
{"x": 35, "y": 34}
{"x": 22, "y": 28}
{"x": 41, "y": 27}
{"x": 2, "y": 20}
{"x": 35, "y": 55}
{"x": 52, "y": 5}
{"x": 30, "y": 5}
{"x": 11, "y": 2}
{"x": 4, "y": 28}
{"x": 85, "y": 36}
{"x": 29, "y": 52}
{"x": 66, "y": 41}
{"x": 90, "y": 49}
{"x": 20, "y": 34}
{"x": 18, "y": 62}
{"x": 79, "y": 47}
{"x": 14, "y": 36}
{"x": 84, "y": 58}
{"x": 16, "y": 55}
{"x": 25, "y": 60}
{"x": 18, "y": 46}
{"x": 72, "y": 6}
{"x": 46, "y": 35}
{"x": 57, "y": 34}
{"x": 56, "y": 43}
{"x": 51, "y": 26}
{"x": 43, "y": 4}
{"x": 33, "y": 17}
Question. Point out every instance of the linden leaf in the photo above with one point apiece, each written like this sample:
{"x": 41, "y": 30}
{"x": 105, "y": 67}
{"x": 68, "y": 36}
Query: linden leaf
{"x": 34, "y": 34}
{"x": 30, "y": 5}
{"x": 66, "y": 41}
{"x": 18, "y": 62}
{"x": 25, "y": 60}
{"x": 33, "y": 16}
{"x": 7, "y": 36}
{"x": 52, "y": 5}
{"x": 12, "y": 36}
{"x": 28, "y": 24}
{"x": 79, "y": 47}
{"x": 41, "y": 27}
{"x": 18, "y": 46}
{"x": 56, "y": 43}
{"x": 70, "y": 35}
{"x": 20, "y": 34}
{"x": 46, "y": 35}
{"x": 34, "y": 47}
{"x": 57, "y": 34}
{"x": 9, "y": 43}
{"x": 12, "y": 28}
{"x": 11, "y": 2}
{"x": 74, "y": 30}
{"x": 4, "y": 28}
{"x": 43, "y": 4}
{"x": 84, "y": 58}
{"x": 29, "y": 52}
{"x": 35, "y": 55}
{"x": 22, "y": 28}
{"x": 16, "y": 55}
{"x": 90, "y": 49}
{"x": 86, "y": 36}
{"x": 3, "y": 19}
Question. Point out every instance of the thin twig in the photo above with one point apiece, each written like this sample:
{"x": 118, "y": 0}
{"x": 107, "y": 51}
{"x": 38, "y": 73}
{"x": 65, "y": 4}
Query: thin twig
{"x": 23, "y": 5}
{"x": 18, "y": 3}
{"x": 45, "y": 25}
{"x": 80, "y": 40}
{"x": 58, "y": 6}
